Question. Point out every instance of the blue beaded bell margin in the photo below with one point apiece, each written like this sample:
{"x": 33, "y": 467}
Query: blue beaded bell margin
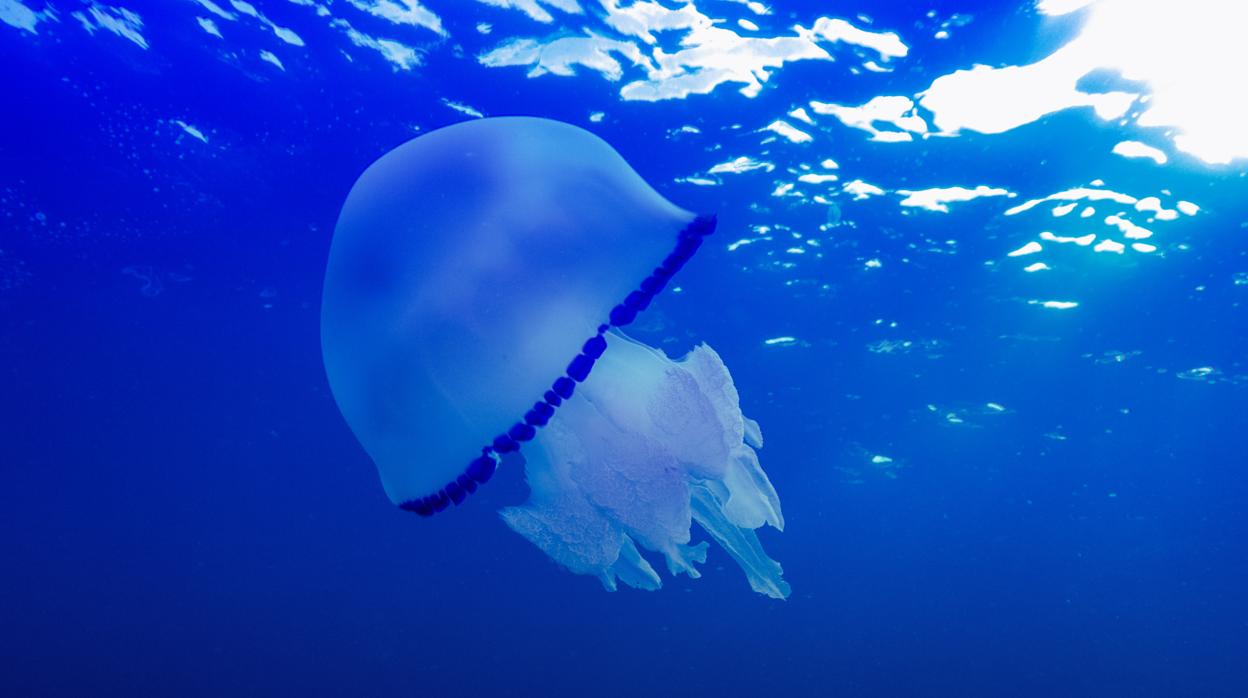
{"x": 482, "y": 468}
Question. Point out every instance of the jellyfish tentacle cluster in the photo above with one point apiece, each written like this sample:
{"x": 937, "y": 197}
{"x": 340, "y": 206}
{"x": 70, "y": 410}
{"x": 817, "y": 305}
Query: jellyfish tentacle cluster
{"x": 647, "y": 448}
{"x": 481, "y": 469}
{"x": 467, "y": 267}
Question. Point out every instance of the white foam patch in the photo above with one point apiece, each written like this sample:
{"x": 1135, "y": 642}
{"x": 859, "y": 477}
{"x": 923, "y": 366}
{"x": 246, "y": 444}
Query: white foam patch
{"x": 562, "y": 55}
{"x": 1030, "y": 248}
{"x": 249, "y": 10}
{"x": 699, "y": 181}
{"x": 801, "y": 115}
{"x": 1082, "y": 240}
{"x": 812, "y": 178}
{"x": 1109, "y": 246}
{"x": 534, "y": 8}
{"x": 118, "y": 20}
{"x": 1076, "y": 194}
{"x": 207, "y": 25}
{"x": 287, "y": 35}
{"x": 15, "y": 14}
{"x": 404, "y": 12}
{"x": 710, "y": 54}
{"x": 1054, "y": 305}
{"x": 1136, "y": 149}
{"x": 717, "y": 56}
{"x": 464, "y": 109}
{"x": 887, "y": 45}
{"x": 190, "y": 130}
{"x": 861, "y": 190}
{"x": 1152, "y": 205}
{"x": 788, "y": 131}
{"x": 939, "y": 198}
{"x": 217, "y": 10}
{"x": 740, "y": 165}
{"x": 400, "y": 56}
{"x": 1126, "y": 233}
{"x": 269, "y": 57}
{"x": 897, "y": 111}
{"x": 643, "y": 19}
{"x": 1130, "y": 230}
{"x": 245, "y": 8}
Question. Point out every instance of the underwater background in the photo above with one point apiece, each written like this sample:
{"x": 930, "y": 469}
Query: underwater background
{"x": 1011, "y": 457}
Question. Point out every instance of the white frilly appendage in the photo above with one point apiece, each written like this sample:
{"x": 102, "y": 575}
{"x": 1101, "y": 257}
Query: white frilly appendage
{"x": 646, "y": 446}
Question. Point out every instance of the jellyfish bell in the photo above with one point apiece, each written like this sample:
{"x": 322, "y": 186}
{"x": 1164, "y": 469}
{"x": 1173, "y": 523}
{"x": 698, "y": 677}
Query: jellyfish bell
{"x": 468, "y": 267}
{"x": 477, "y": 283}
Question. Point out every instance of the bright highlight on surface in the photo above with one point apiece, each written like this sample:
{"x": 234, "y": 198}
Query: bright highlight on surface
{"x": 1055, "y": 305}
{"x": 938, "y": 199}
{"x": 707, "y": 53}
{"x": 1136, "y": 149}
{"x": 1173, "y": 57}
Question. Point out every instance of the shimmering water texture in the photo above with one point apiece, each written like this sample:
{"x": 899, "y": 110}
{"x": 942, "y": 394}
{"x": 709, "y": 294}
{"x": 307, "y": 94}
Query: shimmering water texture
{"x": 478, "y": 283}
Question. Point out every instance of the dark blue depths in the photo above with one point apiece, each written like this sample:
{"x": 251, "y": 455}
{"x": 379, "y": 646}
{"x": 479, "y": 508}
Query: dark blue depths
{"x": 184, "y": 512}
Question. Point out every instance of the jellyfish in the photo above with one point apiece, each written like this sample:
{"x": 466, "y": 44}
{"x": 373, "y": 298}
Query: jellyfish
{"x": 834, "y": 215}
{"x": 479, "y": 281}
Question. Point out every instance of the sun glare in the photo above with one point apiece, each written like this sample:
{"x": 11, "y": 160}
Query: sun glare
{"x": 1190, "y": 54}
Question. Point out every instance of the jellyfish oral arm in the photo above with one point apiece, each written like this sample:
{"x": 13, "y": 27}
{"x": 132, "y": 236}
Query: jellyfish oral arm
{"x": 642, "y": 450}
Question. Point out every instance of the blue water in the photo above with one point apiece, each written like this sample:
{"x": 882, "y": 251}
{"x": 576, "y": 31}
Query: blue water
{"x": 185, "y": 513}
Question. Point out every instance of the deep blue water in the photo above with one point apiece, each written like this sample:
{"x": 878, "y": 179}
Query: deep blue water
{"x": 186, "y": 513}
